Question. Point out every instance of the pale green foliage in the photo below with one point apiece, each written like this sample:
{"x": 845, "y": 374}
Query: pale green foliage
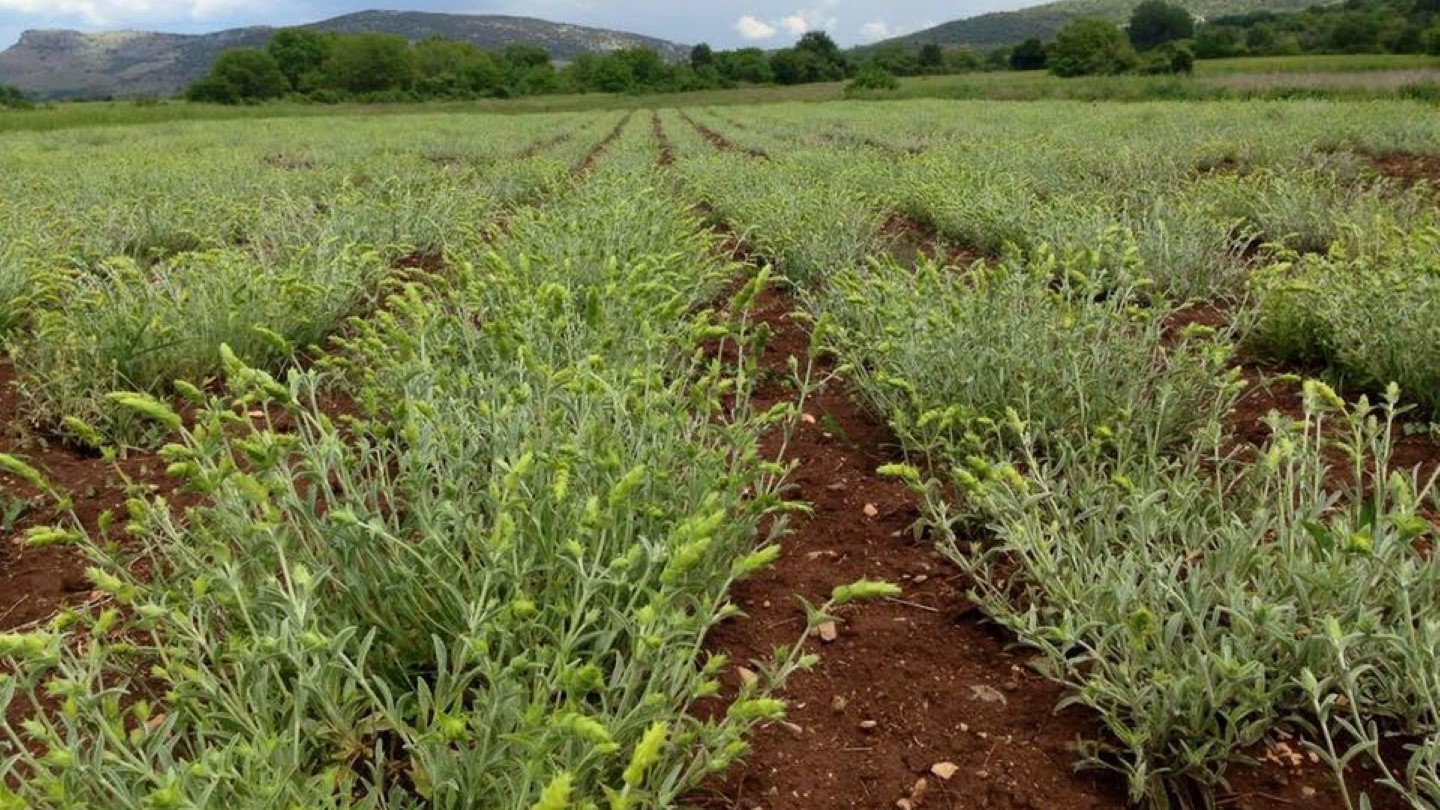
{"x": 1371, "y": 313}
{"x": 1195, "y": 593}
{"x": 467, "y": 591}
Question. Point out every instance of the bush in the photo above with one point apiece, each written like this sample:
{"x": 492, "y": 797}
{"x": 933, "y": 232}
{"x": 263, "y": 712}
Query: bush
{"x": 1324, "y": 309}
{"x": 11, "y": 97}
{"x": 1091, "y": 47}
{"x": 1155, "y": 23}
{"x": 1029, "y": 55}
{"x": 872, "y": 79}
{"x": 240, "y": 76}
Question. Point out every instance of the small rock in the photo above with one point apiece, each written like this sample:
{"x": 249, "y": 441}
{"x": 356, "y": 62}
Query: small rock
{"x": 988, "y": 694}
{"x": 921, "y": 578}
{"x": 905, "y": 804}
{"x": 828, "y": 632}
{"x": 868, "y": 725}
{"x": 747, "y": 677}
{"x": 871, "y": 510}
{"x": 945, "y": 770}
{"x": 793, "y": 728}
{"x": 807, "y": 419}
{"x": 920, "y": 790}
{"x": 1308, "y": 792}
{"x": 839, "y": 703}
{"x": 965, "y": 727}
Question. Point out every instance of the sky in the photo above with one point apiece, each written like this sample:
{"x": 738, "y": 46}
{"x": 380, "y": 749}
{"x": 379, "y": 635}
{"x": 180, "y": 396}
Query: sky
{"x": 722, "y": 23}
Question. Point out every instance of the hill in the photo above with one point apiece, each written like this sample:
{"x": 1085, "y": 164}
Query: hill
{"x": 1010, "y": 27}
{"x": 70, "y": 64}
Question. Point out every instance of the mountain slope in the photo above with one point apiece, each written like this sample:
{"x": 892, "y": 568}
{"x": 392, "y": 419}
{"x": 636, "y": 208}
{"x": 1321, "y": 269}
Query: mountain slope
{"x": 1010, "y": 27}
{"x": 69, "y": 64}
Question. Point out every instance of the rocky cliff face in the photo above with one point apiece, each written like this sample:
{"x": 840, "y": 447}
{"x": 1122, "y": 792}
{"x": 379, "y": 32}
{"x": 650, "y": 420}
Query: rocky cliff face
{"x": 123, "y": 64}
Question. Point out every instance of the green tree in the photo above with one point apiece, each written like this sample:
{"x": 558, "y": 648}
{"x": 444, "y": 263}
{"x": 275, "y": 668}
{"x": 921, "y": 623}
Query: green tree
{"x": 793, "y": 66}
{"x": 1155, "y": 22}
{"x": 830, "y": 63}
{"x": 449, "y": 67}
{"x": 1356, "y": 32}
{"x": 959, "y": 60}
{"x": 702, "y": 56}
{"x": 1218, "y": 42}
{"x": 529, "y": 70}
{"x": 299, "y": 53}
{"x": 1182, "y": 61}
{"x": 238, "y": 76}
{"x": 1432, "y": 39}
{"x": 13, "y": 98}
{"x": 749, "y": 65}
{"x": 931, "y": 57}
{"x": 524, "y": 56}
{"x": 483, "y": 73}
{"x": 1262, "y": 39}
{"x": 369, "y": 63}
{"x": 815, "y": 58}
{"x": 1091, "y": 46}
{"x": 897, "y": 60}
{"x": 1029, "y": 55}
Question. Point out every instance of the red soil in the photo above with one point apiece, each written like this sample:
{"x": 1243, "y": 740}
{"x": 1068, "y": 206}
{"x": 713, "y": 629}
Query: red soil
{"x": 667, "y": 151}
{"x": 36, "y": 582}
{"x": 937, "y": 685}
{"x": 909, "y": 239}
{"x": 718, "y": 140}
{"x": 592, "y": 159}
{"x": 1409, "y": 169}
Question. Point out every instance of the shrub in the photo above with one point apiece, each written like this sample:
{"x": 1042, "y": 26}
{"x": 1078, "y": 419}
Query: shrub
{"x": 239, "y": 76}
{"x": 1089, "y": 47}
{"x": 872, "y": 79}
{"x": 1155, "y": 23}
{"x": 13, "y": 98}
{"x": 1029, "y": 55}
{"x": 1325, "y": 308}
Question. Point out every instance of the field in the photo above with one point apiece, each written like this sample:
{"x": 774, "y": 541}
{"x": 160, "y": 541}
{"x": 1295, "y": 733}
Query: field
{"x": 800, "y": 455}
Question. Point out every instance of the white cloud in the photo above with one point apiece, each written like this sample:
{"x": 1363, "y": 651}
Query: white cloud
{"x": 750, "y": 27}
{"x": 875, "y": 30}
{"x": 811, "y": 19}
{"x": 109, "y": 12}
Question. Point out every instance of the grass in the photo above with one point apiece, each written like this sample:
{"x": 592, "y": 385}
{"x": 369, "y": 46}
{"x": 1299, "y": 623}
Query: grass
{"x": 1261, "y": 81}
{"x": 1317, "y": 63}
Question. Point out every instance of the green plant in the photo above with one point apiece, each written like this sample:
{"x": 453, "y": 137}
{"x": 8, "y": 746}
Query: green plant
{"x": 872, "y": 80}
{"x": 1323, "y": 309}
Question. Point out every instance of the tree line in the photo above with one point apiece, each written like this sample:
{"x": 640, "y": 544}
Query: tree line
{"x": 382, "y": 67}
{"x": 1160, "y": 38}
{"x": 12, "y": 98}
{"x": 1165, "y": 38}
{"x": 1356, "y": 26}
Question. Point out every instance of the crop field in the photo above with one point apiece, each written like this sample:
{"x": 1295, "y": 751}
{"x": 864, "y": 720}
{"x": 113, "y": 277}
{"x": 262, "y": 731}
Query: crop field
{"x": 919, "y": 454}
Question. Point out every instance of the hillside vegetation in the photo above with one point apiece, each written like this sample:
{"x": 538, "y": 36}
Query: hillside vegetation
{"x": 1043, "y": 22}
{"x": 69, "y": 64}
